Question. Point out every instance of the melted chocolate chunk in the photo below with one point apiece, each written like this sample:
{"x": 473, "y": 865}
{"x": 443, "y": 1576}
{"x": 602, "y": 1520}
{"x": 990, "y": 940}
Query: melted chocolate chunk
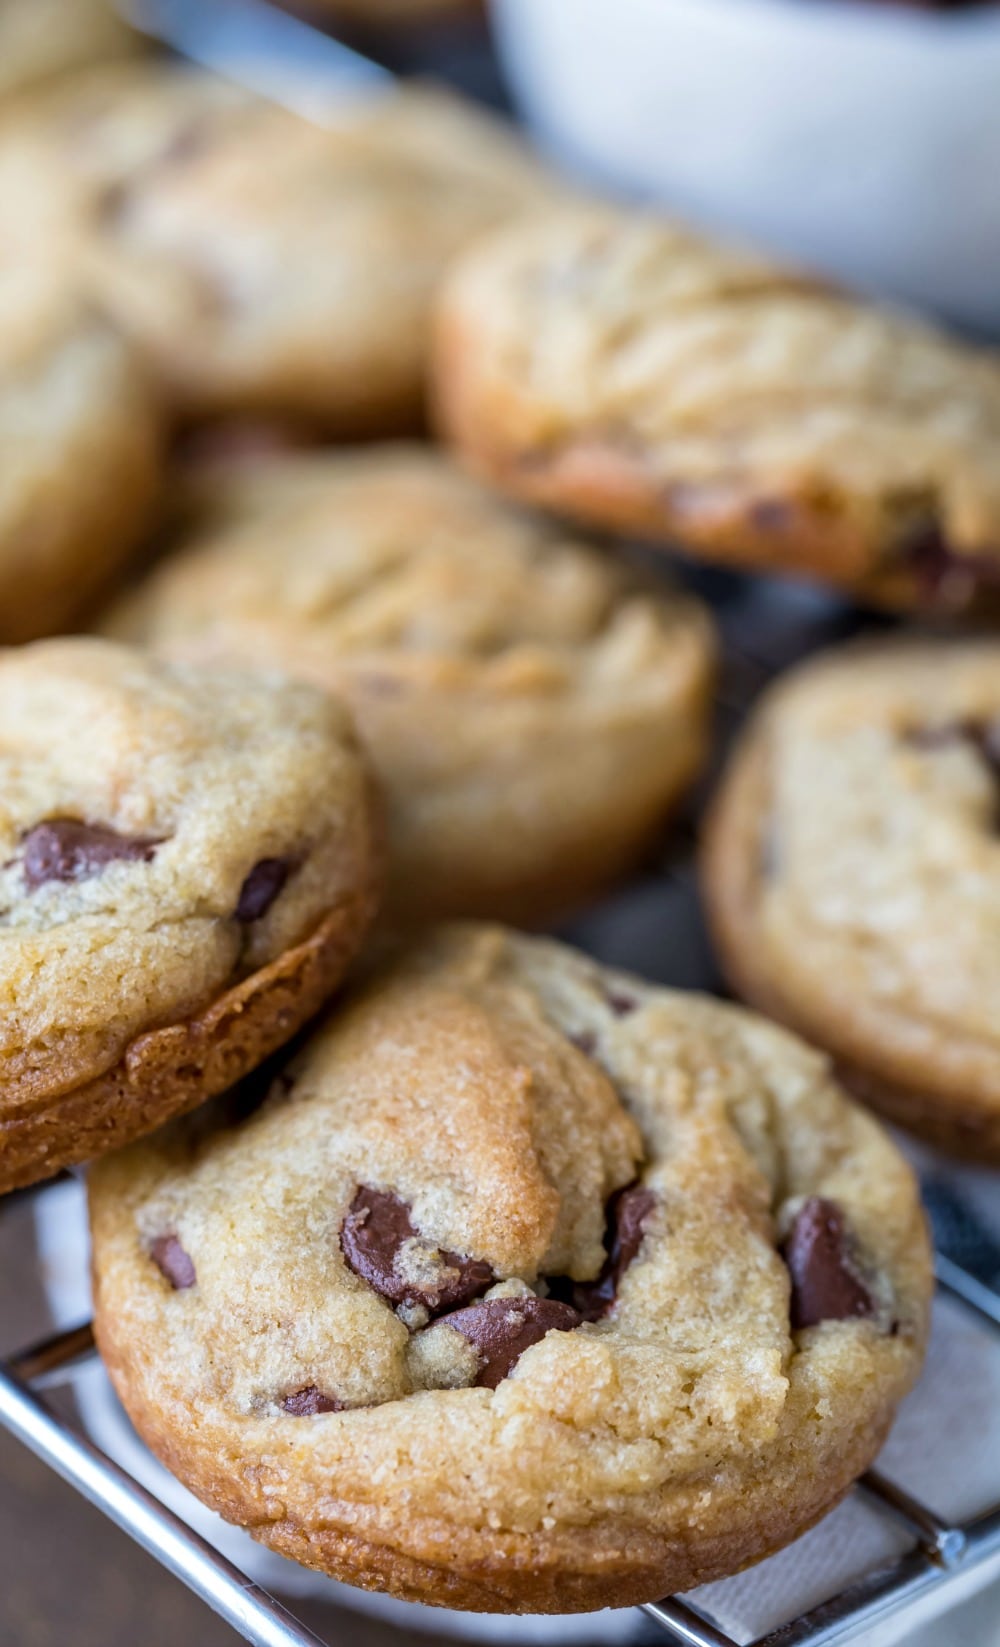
{"x": 945, "y": 577}
{"x": 173, "y": 1262}
{"x": 620, "y": 1003}
{"x": 983, "y": 736}
{"x": 628, "y": 1211}
{"x": 240, "y": 440}
{"x": 373, "y": 1239}
{"x": 827, "y": 1284}
{"x": 64, "y": 849}
{"x": 307, "y": 1402}
{"x": 263, "y": 884}
{"x": 186, "y": 144}
{"x": 501, "y": 1329}
{"x": 772, "y": 514}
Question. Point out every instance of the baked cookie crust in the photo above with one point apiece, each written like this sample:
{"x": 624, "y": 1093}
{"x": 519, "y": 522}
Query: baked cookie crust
{"x": 634, "y": 375}
{"x": 81, "y": 451}
{"x": 531, "y": 1287}
{"x": 533, "y": 709}
{"x": 188, "y": 862}
{"x": 266, "y": 265}
{"x": 852, "y": 874}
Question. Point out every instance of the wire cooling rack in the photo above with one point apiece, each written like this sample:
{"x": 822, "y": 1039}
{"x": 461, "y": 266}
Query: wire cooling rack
{"x": 765, "y": 627}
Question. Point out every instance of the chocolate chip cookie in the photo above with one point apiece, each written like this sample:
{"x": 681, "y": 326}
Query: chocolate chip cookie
{"x": 266, "y": 265}
{"x": 530, "y": 1288}
{"x": 532, "y": 708}
{"x": 186, "y": 868}
{"x": 632, "y": 374}
{"x": 852, "y": 871}
{"x": 80, "y": 452}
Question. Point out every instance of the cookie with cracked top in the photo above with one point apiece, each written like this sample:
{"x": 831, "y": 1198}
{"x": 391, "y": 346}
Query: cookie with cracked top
{"x": 268, "y": 265}
{"x": 186, "y": 868}
{"x": 530, "y": 1287}
{"x": 80, "y": 451}
{"x": 852, "y": 873}
{"x": 632, "y": 374}
{"x": 532, "y": 708}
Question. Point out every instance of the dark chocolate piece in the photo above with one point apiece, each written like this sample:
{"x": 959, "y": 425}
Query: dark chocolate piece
{"x": 263, "y": 884}
{"x": 173, "y": 1263}
{"x": 628, "y": 1211}
{"x": 307, "y": 1402}
{"x": 501, "y": 1329}
{"x": 377, "y": 1226}
{"x": 827, "y": 1284}
{"x": 64, "y": 849}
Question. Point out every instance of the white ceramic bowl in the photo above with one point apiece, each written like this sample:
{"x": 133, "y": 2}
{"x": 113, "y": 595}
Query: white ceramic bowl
{"x": 858, "y": 136}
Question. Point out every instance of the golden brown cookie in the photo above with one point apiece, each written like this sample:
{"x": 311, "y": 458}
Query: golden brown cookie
{"x": 531, "y": 1288}
{"x": 532, "y": 708}
{"x": 80, "y": 452}
{"x": 266, "y": 265}
{"x": 852, "y": 871}
{"x": 186, "y": 869}
{"x": 634, "y": 375}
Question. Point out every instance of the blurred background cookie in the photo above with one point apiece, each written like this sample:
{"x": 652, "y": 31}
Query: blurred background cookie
{"x": 264, "y": 264}
{"x": 40, "y": 38}
{"x": 852, "y": 872}
{"x": 634, "y": 375}
{"x": 189, "y": 863}
{"x": 532, "y": 1288}
{"x": 80, "y": 451}
{"x": 531, "y": 707}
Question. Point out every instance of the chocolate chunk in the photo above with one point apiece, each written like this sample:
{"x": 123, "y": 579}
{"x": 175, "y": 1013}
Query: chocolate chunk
{"x": 263, "y": 884}
{"x": 305, "y": 1403}
{"x": 984, "y": 736}
{"x": 240, "y": 440}
{"x": 64, "y": 849}
{"x": 772, "y": 515}
{"x": 381, "y": 1245}
{"x": 628, "y": 1211}
{"x": 827, "y": 1284}
{"x": 586, "y": 1041}
{"x": 186, "y": 143}
{"x": 173, "y": 1262}
{"x": 620, "y": 1003}
{"x": 944, "y": 576}
{"x": 501, "y": 1329}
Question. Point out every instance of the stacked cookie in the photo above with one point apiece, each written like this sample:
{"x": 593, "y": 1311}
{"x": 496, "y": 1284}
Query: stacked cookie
{"x": 633, "y": 375}
{"x": 459, "y": 1266}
